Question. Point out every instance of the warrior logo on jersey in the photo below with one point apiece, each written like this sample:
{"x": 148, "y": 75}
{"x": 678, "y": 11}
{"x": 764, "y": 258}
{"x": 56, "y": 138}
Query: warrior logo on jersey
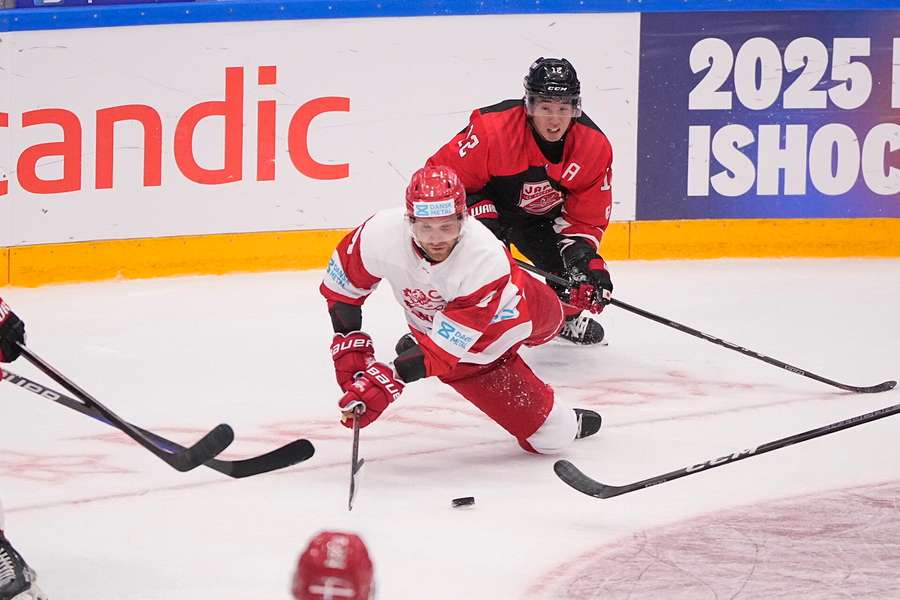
{"x": 539, "y": 197}
{"x": 423, "y": 304}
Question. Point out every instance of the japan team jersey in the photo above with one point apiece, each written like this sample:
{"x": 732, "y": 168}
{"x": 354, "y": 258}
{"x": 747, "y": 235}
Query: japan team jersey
{"x": 507, "y": 175}
{"x": 468, "y": 308}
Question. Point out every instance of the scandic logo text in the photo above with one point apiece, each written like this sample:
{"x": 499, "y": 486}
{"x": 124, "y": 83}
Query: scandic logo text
{"x": 182, "y": 140}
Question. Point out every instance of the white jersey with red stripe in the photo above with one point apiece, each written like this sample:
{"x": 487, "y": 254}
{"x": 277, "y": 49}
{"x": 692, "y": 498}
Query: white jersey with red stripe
{"x": 468, "y": 308}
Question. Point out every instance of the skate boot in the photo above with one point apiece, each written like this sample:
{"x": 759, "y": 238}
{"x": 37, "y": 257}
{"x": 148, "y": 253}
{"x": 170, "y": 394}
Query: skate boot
{"x": 582, "y": 330}
{"x": 17, "y": 579}
{"x": 588, "y": 422}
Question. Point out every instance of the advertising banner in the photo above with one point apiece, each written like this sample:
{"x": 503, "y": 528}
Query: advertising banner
{"x": 769, "y": 115}
{"x": 174, "y": 130}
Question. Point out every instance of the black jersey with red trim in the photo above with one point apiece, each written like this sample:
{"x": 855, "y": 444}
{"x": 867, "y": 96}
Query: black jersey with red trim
{"x": 509, "y": 177}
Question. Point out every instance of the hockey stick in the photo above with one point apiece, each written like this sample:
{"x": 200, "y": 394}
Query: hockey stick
{"x": 285, "y": 456}
{"x": 354, "y": 411}
{"x": 209, "y": 445}
{"x": 584, "y": 484}
{"x": 881, "y": 387}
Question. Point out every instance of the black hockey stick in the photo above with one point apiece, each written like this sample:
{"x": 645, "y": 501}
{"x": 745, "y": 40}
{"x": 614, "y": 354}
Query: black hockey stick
{"x": 285, "y": 456}
{"x": 870, "y": 389}
{"x": 209, "y": 445}
{"x": 584, "y": 484}
{"x": 354, "y": 411}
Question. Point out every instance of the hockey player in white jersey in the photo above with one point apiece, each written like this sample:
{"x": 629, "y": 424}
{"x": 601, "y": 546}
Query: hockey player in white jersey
{"x": 469, "y": 308}
{"x": 17, "y": 579}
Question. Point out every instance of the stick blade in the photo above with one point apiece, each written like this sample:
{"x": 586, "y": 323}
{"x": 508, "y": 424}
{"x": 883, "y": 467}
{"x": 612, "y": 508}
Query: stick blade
{"x": 883, "y": 387}
{"x": 355, "y": 467}
{"x": 286, "y": 456}
{"x": 206, "y": 448}
{"x": 352, "y": 496}
{"x": 576, "y": 479}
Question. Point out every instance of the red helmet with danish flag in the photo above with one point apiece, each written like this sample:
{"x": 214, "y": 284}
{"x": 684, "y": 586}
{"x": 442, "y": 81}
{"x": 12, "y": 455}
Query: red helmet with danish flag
{"x": 435, "y": 191}
{"x": 334, "y": 566}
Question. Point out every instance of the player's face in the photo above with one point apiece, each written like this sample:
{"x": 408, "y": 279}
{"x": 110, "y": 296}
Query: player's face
{"x": 437, "y": 235}
{"x": 551, "y": 119}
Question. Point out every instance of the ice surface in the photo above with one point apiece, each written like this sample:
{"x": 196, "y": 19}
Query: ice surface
{"x": 101, "y": 518}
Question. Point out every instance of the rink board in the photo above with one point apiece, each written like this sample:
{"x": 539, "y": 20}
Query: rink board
{"x": 217, "y": 128}
{"x": 179, "y": 154}
{"x": 159, "y": 257}
{"x": 31, "y": 266}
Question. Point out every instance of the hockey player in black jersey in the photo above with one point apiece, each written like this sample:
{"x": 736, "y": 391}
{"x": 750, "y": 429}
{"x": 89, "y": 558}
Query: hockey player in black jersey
{"x": 538, "y": 173}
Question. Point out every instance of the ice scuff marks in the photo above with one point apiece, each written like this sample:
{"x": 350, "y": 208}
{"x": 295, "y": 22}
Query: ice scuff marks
{"x": 840, "y": 544}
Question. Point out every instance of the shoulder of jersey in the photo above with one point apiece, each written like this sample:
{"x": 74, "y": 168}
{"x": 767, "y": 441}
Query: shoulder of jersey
{"x": 587, "y": 126}
{"x": 503, "y": 123}
{"x": 503, "y": 106}
{"x": 385, "y": 224}
{"x": 388, "y": 215}
{"x": 503, "y": 114}
{"x": 589, "y": 140}
{"x": 484, "y": 245}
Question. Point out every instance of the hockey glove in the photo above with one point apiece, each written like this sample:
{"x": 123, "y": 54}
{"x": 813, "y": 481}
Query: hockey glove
{"x": 376, "y": 388}
{"x": 12, "y": 333}
{"x": 352, "y": 354}
{"x": 593, "y": 286}
{"x": 485, "y": 212}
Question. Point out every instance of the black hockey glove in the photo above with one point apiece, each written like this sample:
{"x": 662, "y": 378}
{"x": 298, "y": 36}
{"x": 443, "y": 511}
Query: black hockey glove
{"x": 12, "y": 332}
{"x": 588, "y": 271}
{"x": 483, "y": 209}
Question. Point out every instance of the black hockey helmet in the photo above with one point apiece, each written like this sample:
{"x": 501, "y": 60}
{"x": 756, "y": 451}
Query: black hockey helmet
{"x": 553, "y": 79}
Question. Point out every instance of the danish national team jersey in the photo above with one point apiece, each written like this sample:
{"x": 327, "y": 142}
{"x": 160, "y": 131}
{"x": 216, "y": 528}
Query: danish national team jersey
{"x": 468, "y": 308}
{"x": 507, "y": 176}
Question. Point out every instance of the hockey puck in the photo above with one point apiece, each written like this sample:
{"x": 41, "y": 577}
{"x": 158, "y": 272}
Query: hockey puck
{"x": 464, "y": 501}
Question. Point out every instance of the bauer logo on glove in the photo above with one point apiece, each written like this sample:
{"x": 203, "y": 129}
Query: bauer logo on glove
{"x": 375, "y": 388}
{"x": 388, "y": 383}
{"x": 351, "y": 343}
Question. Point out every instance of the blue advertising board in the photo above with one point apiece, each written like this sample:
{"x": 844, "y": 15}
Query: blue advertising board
{"x": 769, "y": 115}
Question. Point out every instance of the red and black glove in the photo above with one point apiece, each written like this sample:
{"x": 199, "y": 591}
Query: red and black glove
{"x": 485, "y": 211}
{"x": 376, "y": 388}
{"x": 593, "y": 286}
{"x": 352, "y": 353}
{"x": 12, "y": 333}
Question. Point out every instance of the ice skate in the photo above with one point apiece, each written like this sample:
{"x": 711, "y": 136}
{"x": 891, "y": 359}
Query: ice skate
{"x": 582, "y": 330}
{"x": 17, "y": 579}
{"x": 589, "y": 422}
